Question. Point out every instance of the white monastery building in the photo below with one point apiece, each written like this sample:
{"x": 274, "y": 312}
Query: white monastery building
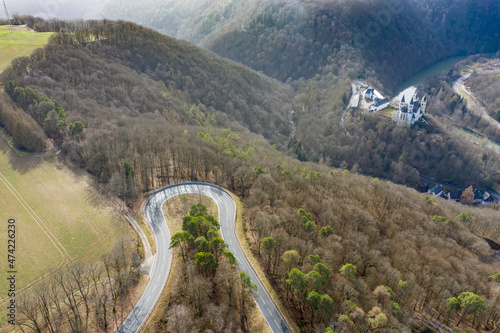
{"x": 409, "y": 113}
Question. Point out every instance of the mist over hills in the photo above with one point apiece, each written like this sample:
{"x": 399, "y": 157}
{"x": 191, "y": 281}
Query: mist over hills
{"x": 314, "y": 105}
{"x": 61, "y": 9}
{"x": 139, "y": 110}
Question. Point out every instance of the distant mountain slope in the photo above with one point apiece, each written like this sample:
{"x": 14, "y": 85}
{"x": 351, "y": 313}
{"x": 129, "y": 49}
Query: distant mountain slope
{"x": 191, "y": 20}
{"x": 136, "y": 70}
{"x": 293, "y": 39}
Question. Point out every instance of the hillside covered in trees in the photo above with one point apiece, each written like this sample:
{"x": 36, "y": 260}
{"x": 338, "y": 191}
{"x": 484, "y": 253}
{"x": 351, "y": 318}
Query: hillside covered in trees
{"x": 319, "y": 47}
{"x": 486, "y": 87}
{"x": 139, "y": 110}
{"x": 368, "y": 253}
{"x": 138, "y": 71}
{"x": 293, "y": 39}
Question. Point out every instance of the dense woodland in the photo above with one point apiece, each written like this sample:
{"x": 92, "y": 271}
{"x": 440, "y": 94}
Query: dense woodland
{"x": 139, "y": 110}
{"x": 207, "y": 292}
{"x": 358, "y": 254}
{"x": 89, "y": 80}
{"x": 293, "y": 39}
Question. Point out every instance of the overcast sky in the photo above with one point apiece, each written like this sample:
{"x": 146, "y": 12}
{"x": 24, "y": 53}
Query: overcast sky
{"x": 65, "y": 9}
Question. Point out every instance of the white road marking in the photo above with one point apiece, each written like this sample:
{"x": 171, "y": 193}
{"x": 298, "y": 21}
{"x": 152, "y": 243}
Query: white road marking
{"x": 158, "y": 276}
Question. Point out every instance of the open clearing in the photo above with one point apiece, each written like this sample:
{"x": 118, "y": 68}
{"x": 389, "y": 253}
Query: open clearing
{"x": 19, "y": 43}
{"x": 477, "y": 139}
{"x": 60, "y": 217}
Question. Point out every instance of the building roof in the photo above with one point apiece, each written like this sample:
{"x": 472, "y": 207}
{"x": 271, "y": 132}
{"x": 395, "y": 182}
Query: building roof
{"x": 436, "y": 189}
{"x": 379, "y": 101}
{"x": 481, "y": 194}
{"x": 455, "y": 195}
{"x": 369, "y": 91}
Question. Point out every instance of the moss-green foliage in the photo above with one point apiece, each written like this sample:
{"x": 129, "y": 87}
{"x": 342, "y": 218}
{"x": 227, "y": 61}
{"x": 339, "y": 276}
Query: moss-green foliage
{"x": 76, "y": 128}
{"x": 27, "y": 134}
{"x": 200, "y": 235}
{"x": 438, "y": 219}
{"x": 326, "y": 231}
{"x": 380, "y": 320}
{"x": 495, "y": 277}
{"x": 396, "y": 309}
{"x": 464, "y": 217}
{"x": 309, "y": 225}
{"x": 203, "y": 117}
{"x": 227, "y": 140}
{"x": 48, "y": 113}
{"x": 348, "y": 270}
{"x": 310, "y": 287}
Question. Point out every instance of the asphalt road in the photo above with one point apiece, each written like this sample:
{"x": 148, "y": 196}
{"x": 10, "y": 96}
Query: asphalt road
{"x": 468, "y": 94}
{"x": 163, "y": 256}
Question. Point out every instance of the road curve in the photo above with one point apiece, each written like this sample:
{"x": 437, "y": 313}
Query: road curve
{"x": 459, "y": 86}
{"x": 163, "y": 256}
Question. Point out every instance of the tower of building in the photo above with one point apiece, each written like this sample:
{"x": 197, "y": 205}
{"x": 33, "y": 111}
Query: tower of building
{"x": 424, "y": 103}
{"x": 403, "y": 103}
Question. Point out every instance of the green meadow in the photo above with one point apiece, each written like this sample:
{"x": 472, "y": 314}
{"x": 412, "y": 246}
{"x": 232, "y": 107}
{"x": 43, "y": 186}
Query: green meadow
{"x": 18, "y": 43}
{"x": 59, "y": 216}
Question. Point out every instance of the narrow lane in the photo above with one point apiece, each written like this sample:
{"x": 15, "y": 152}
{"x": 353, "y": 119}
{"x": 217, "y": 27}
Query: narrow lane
{"x": 163, "y": 257}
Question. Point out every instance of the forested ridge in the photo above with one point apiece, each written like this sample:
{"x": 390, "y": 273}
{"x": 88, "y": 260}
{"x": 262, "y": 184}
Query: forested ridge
{"x": 139, "y": 110}
{"x": 318, "y": 47}
{"x": 124, "y": 72}
{"x": 368, "y": 253}
{"x": 293, "y": 39}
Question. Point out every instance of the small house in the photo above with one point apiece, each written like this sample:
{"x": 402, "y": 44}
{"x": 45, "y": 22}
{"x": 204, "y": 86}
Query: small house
{"x": 379, "y": 104}
{"x": 453, "y": 195}
{"x": 369, "y": 94}
{"x": 482, "y": 196}
{"x": 435, "y": 191}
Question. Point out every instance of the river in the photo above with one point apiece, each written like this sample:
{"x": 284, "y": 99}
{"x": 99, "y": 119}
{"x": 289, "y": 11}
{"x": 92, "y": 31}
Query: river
{"x": 409, "y": 86}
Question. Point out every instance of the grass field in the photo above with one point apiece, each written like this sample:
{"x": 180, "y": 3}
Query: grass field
{"x": 389, "y": 112}
{"x": 60, "y": 217}
{"x": 478, "y": 139}
{"x": 19, "y": 43}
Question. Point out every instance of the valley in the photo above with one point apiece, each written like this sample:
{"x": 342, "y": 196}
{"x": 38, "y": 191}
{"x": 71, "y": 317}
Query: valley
{"x": 327, "y": 212}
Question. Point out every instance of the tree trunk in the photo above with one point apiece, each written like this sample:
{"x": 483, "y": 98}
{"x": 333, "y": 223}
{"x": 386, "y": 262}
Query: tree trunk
{"x": 465, "y": 312}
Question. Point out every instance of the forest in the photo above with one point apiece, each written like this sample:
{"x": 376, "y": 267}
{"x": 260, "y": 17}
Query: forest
{"x": 294, "y": 39}
{"x": 452, "y": 109}
{"x": 207, "y": 290}
{"x": 367, "y": 252}
{"x": 153, "y": 79}
{"x": 139, "y": 110}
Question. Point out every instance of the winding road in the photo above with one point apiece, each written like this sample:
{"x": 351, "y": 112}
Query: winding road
{"x": 473, "y": 104}
{"x": 355, "y": 95}
{"x": 163, "y": 257}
